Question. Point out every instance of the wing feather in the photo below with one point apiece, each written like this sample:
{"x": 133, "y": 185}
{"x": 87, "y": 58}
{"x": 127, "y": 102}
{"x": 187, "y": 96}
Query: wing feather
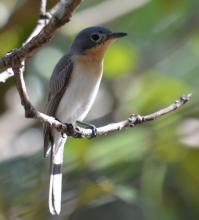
{"x": 57, "y": 86}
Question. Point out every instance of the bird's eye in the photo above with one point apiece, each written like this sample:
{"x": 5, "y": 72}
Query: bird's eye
{"x": 96, "y": 37}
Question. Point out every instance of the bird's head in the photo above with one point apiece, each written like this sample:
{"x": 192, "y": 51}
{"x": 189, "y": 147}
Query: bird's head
{"x": 94, "y": 41}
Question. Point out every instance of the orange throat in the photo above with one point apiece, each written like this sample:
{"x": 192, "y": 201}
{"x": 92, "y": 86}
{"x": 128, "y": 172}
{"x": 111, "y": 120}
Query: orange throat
{"x": 96, "y": 54}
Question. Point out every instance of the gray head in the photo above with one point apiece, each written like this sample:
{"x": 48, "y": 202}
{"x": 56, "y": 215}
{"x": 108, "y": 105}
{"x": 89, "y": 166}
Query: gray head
{"x": 93, "y": 37}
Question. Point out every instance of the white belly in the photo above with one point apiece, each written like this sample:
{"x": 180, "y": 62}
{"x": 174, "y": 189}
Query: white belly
{"x": 79, "y": 96}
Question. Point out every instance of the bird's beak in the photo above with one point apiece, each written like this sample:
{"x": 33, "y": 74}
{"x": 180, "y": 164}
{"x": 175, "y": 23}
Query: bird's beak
{"x": 116, "y": 35}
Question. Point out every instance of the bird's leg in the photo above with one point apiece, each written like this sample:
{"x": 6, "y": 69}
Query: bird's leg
{"x": 89, "y": 126}
{"x": 71, "y": 128}
{"x": 62, "y": 134}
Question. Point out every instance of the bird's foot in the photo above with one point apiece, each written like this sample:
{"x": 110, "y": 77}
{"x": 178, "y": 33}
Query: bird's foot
{"x": 69, "y": 126}
{"x": 89, "y": 126}
{"x": 71, "y": 129}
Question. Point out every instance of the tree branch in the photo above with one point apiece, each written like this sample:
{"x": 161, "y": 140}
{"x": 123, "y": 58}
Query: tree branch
{"x": 43, "y": 6}
{"x": 132, "y": 121}
{"x": 5, "y": 75}
{"x": 79, "y": 132}
{"x": 42, "y": 21}
{"x": 60, "y": 14}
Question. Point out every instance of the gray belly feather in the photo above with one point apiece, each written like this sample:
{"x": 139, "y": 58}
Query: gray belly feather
{"x": 78, "y": 97}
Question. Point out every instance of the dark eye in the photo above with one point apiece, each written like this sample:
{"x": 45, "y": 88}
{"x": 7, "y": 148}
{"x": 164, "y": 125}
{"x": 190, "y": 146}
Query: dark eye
{"x": 96, "y": 37}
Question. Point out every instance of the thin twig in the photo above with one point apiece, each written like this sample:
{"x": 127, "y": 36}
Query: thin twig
{"x": 5, "y": 75}
{"x": 43, "y": 6}
{"x": 132, "y": 121}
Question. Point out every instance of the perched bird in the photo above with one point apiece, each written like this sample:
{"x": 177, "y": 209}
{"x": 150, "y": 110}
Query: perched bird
{"x": 72, "y": 90}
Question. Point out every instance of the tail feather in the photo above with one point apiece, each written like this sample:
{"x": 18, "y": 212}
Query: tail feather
{"x": 55, "y": 186}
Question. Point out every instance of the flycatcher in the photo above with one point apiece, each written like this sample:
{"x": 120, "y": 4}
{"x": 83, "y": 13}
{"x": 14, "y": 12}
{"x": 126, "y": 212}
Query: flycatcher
{"x": 72, "y": 90}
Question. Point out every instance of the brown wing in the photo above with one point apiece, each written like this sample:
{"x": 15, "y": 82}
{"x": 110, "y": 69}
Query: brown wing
{"x": 57, "y": 86}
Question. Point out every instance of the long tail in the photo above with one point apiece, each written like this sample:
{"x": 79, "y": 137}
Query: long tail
{"x": 55, "y": 186}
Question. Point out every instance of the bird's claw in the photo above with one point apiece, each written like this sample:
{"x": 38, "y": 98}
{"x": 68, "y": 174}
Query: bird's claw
{"x": 94, "y": 131}
{"x": 89, "y": 126}
{"x": 70, "y": 128}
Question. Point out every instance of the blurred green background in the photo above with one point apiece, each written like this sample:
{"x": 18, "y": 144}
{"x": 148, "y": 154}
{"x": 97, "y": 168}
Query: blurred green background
{"x": 147, "y": 173}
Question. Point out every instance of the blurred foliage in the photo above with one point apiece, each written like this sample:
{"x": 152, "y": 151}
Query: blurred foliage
{"x": 147, "y": 173}
{"x": 120, "y": 59}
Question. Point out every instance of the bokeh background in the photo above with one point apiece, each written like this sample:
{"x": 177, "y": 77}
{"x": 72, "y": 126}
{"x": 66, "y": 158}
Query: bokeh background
{"x": 147, "y": 173}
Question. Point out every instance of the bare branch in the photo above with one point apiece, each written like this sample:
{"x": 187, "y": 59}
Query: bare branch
{"x": 6, "y": 75}
{"x": 79, "y": 132}
{"x": 18, "y": 70}
{"x": 61, "y": 15}
{"x": 43, "y": 6}
{"x": 42, "y": 21}
{"x": 132, "y": 121}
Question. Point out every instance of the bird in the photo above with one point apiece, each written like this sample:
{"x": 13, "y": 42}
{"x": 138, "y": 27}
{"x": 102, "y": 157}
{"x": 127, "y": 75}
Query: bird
{"x": 72, "y": 89}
